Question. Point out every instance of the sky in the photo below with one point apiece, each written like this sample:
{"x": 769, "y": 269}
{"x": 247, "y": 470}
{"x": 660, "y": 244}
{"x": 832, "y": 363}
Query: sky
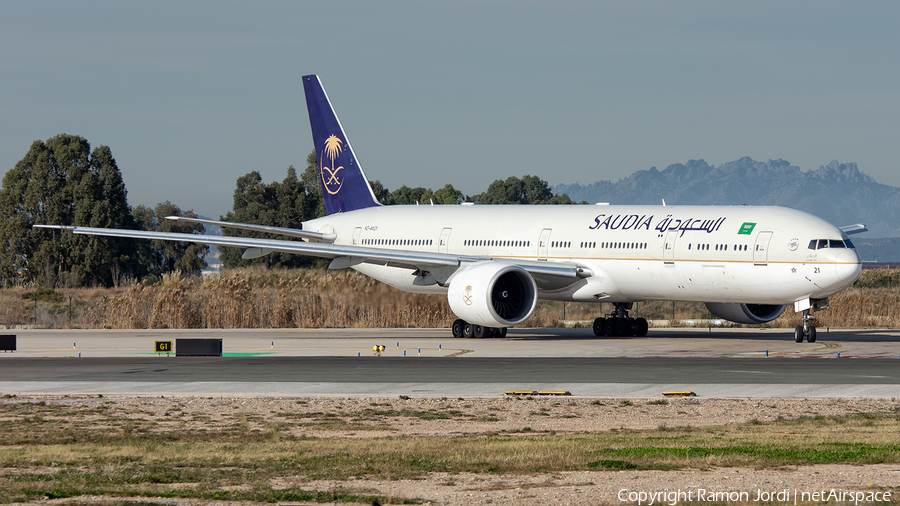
{"x": 190, "y": 96}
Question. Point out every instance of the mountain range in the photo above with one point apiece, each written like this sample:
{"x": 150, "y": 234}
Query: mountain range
{"x": 837, "y": 192}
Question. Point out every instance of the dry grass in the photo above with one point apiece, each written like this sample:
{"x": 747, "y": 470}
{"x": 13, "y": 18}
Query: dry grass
{"x": 310, "y": 298}
{"x": 71, "y": 448}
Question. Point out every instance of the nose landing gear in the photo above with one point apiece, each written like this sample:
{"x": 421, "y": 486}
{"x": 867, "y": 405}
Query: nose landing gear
{"x": 620, "y": 324}
{"x": 806, "y": 330}
{"x": 807, "y": 307}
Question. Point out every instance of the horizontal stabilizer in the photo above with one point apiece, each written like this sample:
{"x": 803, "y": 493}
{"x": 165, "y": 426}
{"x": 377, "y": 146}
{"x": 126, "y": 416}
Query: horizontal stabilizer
{"x": 854, "y": 229}
{"x": 292, "y": 232}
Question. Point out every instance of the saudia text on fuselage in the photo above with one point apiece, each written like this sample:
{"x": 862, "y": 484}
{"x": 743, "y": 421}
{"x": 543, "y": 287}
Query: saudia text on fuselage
{"x": 638, "y": 222}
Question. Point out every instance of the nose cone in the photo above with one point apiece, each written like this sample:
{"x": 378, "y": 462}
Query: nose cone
{"x": 848, "y": 266}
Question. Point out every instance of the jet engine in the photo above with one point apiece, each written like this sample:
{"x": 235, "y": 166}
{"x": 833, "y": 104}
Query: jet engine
{"x": 745, "y": 313}
{"x": 493, "y": 294}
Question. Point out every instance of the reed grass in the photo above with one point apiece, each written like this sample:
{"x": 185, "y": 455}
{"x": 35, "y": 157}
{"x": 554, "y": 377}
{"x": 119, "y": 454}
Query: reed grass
{"x": 257, "y": 297}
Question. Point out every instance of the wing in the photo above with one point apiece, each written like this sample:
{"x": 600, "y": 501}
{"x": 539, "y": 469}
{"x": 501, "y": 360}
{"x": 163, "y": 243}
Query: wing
{"x": 548, "y": 274}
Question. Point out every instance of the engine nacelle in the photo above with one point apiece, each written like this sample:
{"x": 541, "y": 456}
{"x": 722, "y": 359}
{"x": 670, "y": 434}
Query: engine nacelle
{"x": 745, "y": 313}
{"x": 493, "y": 294}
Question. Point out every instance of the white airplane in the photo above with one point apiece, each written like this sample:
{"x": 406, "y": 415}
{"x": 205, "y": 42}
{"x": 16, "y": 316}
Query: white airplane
{"x": 747, "y": 263}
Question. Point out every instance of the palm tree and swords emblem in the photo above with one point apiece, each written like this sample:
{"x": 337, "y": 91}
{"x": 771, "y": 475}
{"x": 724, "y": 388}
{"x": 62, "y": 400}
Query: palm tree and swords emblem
{"x": 332, "y": 150}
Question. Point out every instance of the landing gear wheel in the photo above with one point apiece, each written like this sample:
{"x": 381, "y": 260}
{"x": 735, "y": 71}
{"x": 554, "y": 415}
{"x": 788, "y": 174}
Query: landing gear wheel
{"x": 619, "y": 324}
{"x": 469, "y": 331}
{"x": 479, "y": 332}
{"x": 458, "y": 328}
{"x": 610, "y": 325}
{"x": 806, "y": 330}
{"x": 641, "y": 327}
{"x": 599, "y": 327}
{"x": 502, "y": 332}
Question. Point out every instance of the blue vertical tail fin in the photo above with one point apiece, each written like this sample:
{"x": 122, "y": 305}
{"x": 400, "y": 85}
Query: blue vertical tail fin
{"x": 343, "y": 182}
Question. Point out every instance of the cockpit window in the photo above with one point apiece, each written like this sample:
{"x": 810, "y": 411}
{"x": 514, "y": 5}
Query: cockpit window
{"x": 829, "y": 243}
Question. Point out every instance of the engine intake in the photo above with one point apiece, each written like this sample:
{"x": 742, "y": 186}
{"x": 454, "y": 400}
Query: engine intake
{"x": 745, "y": 313}
{"x": 493, "y": 294}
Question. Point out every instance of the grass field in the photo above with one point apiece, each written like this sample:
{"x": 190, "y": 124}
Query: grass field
{"x": 63, "y": 449}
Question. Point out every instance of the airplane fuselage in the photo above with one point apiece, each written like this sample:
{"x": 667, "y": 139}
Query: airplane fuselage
{"x": 743, "y": 254}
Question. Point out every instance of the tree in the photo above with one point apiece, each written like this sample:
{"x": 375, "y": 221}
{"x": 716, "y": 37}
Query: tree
{"x": 424, "y": 196}
{"x": 286, "y": 204}
{"x": 62, "y": 182}
{"x": 411, "y": 196}
{"x": 381, "y": 193}
{"x": 159, "y": 257}
{"x": 448, "y": 195}
{"x": 528, "y": 190}
{"x": 311, "y": 187}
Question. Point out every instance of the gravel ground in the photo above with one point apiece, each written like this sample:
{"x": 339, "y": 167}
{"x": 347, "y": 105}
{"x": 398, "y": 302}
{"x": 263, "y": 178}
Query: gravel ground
{"x": 559, "y": 415}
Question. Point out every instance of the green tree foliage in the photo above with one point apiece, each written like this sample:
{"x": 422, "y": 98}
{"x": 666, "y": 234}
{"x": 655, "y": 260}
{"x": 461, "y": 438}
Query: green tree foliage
{"x": 158, "y": 257}
{"x": 381, "y": 193}
{"x": 448, "y": 195}
{"x": 62, "y": 182}
{"x": 310, "y": 179}
{"x": 528, "y": 190}
{"x": 412, "y": 196}
{"x": 286, "y": 204}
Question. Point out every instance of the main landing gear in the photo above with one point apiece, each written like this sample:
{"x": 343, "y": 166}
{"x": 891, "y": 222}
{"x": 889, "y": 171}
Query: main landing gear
{"x": 805, "y": 330}
{"x": 462, "y": 328}
{"x": 619, "y": 324}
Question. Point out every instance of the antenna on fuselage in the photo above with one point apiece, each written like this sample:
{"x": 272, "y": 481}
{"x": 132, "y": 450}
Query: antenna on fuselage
{"x": 664, "y": 202}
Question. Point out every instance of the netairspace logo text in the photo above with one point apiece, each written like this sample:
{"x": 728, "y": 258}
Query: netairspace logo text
{"x": 785, "y": 495}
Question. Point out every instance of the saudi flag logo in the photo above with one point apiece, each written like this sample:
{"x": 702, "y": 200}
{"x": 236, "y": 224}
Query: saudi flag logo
{"x": 746, "y": 229}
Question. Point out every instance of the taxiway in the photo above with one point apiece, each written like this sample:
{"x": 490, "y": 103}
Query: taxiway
{"x": 336, "y": 362}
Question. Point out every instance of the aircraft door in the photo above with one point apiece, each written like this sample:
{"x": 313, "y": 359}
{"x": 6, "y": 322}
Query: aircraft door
{"x": 544, "y": 244}
{"x": 444, "y": 244}
{"x": 356, "y": 233}
{"x": 669, "y": 247}
{"x": 761, "y": 249}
